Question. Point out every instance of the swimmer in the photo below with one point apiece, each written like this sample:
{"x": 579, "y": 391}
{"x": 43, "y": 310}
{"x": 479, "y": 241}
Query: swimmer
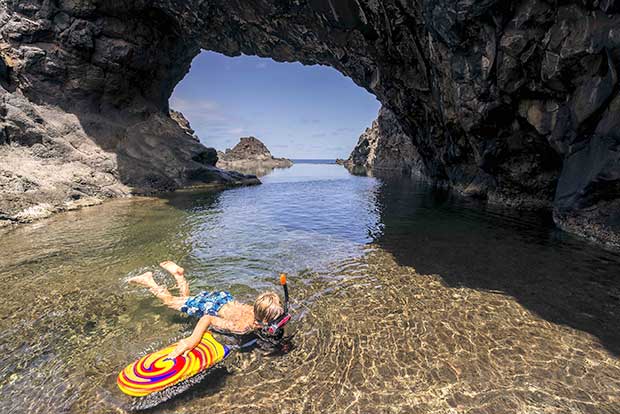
{"x": 217, "y": 310}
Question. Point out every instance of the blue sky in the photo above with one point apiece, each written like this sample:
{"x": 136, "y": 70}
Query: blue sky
{"x": 297, "y": 111}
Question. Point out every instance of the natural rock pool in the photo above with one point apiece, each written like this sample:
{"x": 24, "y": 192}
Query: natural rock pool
{"x": 405, "y": 300}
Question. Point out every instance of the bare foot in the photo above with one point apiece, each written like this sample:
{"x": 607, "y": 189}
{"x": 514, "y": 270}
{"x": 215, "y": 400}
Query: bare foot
{"x": 178, "y": 273}
{"x": 172, "y": 267}
{"x": 145, "y": 279}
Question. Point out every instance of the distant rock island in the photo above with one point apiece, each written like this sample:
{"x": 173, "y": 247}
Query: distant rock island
{"x": 250, "y": 153}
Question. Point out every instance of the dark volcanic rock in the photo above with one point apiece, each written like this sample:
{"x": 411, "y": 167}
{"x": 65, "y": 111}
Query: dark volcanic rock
{"x": 180, "y": 119}
{"x": 250, "y": 152}
{"x": 385, "y": 148}
{"x": 80, "y": 119}
{"x": 515, "y": 99}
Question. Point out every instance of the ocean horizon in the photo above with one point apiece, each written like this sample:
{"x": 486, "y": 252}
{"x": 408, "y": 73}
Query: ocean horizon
{"x": 314, "y": 161}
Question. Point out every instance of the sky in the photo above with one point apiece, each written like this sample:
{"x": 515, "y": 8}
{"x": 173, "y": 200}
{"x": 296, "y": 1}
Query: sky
{"x": 299, "y": 112}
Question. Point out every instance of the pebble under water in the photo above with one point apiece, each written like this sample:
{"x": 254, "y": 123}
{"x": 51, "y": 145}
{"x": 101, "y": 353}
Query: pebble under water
{"x": 405, "y": 299}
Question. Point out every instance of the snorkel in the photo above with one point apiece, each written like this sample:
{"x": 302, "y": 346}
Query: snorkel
{"x": 275, "y": 328}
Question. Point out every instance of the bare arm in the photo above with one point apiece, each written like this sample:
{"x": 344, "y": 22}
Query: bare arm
{"x": 189, "y": 343}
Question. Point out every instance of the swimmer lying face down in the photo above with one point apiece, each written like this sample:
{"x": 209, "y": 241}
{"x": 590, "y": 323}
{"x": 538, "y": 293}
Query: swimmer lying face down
{"x": 216, "y": 310}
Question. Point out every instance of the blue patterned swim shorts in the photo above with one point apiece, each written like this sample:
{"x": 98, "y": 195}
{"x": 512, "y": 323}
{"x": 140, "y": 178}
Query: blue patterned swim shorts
{"x": 206, "y": 303}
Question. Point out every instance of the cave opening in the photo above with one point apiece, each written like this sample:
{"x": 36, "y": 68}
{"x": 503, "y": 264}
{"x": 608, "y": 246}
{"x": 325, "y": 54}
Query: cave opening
{"x": 297, "y": 111}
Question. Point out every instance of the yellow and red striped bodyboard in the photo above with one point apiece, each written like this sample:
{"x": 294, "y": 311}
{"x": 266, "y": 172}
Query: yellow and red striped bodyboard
{"x": 153, "y": 372}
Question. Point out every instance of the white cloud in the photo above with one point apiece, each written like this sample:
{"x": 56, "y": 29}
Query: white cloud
{"x": 201, "y": 113}
{"x": 193, "y": 105}
{"x": 213, "y": 125}
{"x": 344, "y": 131}
{"x": 310, "y": 121}
{"x": 236, "y": 131}
{"x": 261, "y": 65}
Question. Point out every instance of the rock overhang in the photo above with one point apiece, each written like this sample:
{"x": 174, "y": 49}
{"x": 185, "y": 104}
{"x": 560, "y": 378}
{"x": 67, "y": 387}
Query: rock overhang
{"x": 512, "y": 98}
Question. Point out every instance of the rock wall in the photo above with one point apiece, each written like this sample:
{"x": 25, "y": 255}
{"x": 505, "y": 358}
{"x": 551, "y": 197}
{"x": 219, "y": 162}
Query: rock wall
{"x": 385, "y": 148}
{"x": 80, "y": 119}
{"x": 517, "y": 99}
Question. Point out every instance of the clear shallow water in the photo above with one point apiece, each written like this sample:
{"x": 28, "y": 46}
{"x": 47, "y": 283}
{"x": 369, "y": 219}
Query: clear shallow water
{"x": 405, "y": 300}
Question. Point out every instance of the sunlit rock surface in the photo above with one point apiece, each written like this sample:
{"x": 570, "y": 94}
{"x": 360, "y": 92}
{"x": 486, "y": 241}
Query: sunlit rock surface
{"x": 517, "y": 100}
{"x": 250, "y": 153}
{"x": 385, "y": 148}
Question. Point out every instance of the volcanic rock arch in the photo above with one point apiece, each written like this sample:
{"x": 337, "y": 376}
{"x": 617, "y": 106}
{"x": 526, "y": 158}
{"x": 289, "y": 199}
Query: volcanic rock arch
{"x": 517, "y": 103}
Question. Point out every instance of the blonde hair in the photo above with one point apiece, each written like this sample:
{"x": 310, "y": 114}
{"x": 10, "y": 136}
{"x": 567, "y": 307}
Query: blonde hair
{"x": 267, "y": 307}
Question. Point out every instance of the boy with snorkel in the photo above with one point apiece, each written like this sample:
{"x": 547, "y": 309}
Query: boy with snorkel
{"x": 218, "y": 310}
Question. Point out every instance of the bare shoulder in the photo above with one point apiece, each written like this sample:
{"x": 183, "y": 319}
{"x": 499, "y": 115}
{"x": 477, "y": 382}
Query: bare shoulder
{"x": 237, "y": 312}
{"x": 228, "y": 325}
{"x": 235, "y": 308}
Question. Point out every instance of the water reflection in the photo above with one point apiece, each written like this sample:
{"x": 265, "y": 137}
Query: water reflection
{"x": 563, "y": 280}
{"x": 404, "y": 299}
{"x": 257, "y": 170}
{"x": 299, "y": 219}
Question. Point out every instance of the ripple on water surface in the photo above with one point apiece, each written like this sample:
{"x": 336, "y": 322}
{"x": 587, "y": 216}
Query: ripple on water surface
{"x": 405, "y": 300}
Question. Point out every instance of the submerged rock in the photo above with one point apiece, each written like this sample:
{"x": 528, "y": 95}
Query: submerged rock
{"x": 250, "y": 153}
{"x": 513, "y": 101}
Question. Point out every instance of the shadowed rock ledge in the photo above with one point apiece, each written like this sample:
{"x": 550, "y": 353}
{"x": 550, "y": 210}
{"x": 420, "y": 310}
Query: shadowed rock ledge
{"x": 517, "y": 100}
{"x": 53, "y": 161}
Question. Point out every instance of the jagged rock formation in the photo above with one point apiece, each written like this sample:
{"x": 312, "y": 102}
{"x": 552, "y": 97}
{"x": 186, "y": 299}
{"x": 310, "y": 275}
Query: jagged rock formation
{"x": 180, "y": 119}
{"x": 250, "y": 153}
{"x": 73, "y": 129}
{"x": 53, "y": 161}
{"x": 385, "y": 148}
{"x": 517, "y": 99}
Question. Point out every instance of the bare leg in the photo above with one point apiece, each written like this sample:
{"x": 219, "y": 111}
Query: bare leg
{"x": 161, "y": 292}
{"x": 179, "y": 275}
